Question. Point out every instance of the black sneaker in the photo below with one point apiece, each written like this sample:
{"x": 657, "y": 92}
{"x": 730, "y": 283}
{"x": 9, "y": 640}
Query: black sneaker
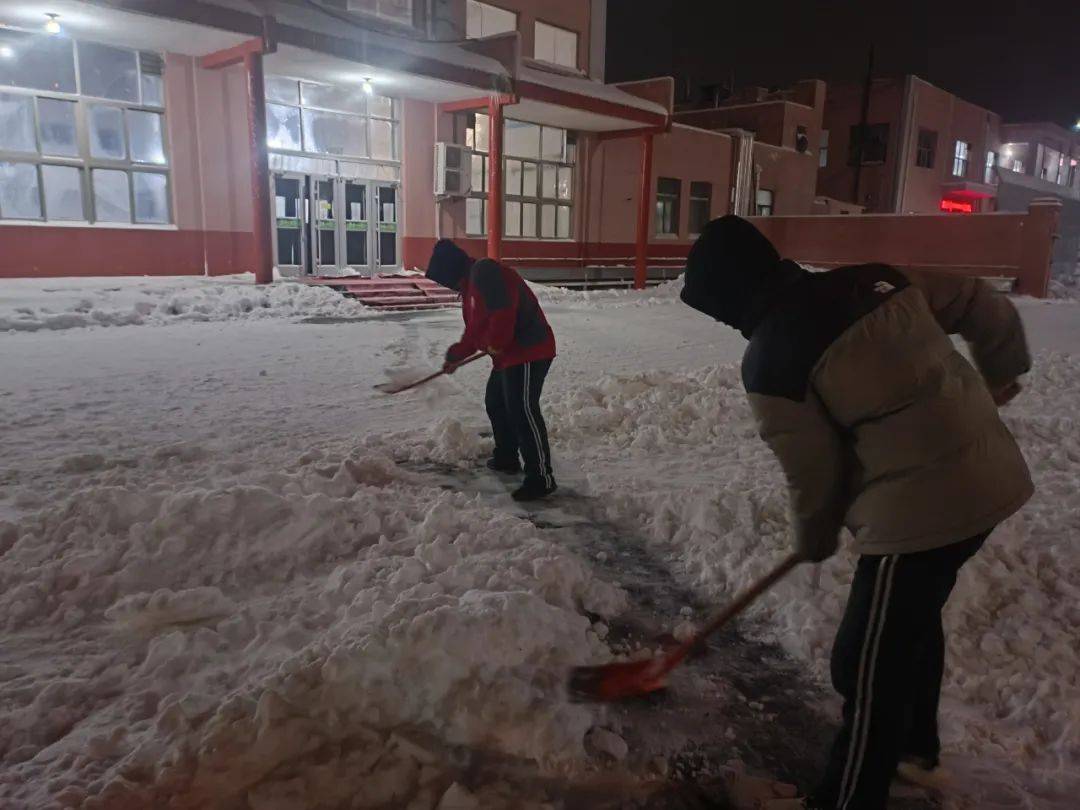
{"x": 533, "y": 491}
{"x": 507, "y": 467}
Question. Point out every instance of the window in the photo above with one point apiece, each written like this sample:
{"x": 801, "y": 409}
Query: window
{"x": 555, "y": 45}
{"x": 764, "y": 202}
{"x": 925, "y": 149}
{"x": 667, "y": 206}
{"x": 397, "y": 11}
{"x": 325, "y": 119}
{"x": 538, "y": 178}
{"x": 82, "y": 132}
{"x": 700, "y": 206}
{"x": 871, "y": 143}
{"x": 823, "y": 150}
{"x": 991, "y": 178}
{"x": 485, "y": 20}
{"x": 960, "y": 159}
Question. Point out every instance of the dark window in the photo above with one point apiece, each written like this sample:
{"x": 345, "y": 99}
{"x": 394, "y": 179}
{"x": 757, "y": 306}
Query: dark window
{"x": 924, "y": 156}
{"x": 873, "y": 146}
{"x": 700, "y": 206}
{"x": 802, "y": 140}
{"x": 667, "y": 206}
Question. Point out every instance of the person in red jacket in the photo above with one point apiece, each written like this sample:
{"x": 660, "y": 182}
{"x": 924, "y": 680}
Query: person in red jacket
{"x": 504, "y": 319}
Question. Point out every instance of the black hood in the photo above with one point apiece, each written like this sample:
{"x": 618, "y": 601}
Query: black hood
{"x": 734, "y": 274}
{"x": 448, "y": 264}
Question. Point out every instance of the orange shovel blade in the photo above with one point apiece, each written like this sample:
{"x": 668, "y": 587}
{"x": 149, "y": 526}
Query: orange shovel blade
{"x": 621, "y": 680}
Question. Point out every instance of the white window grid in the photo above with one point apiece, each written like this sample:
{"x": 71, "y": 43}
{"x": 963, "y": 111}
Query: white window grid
{"x": 488, "y": 19}
{"x": 700, "y": 206}
{"x": 668, "y": 192}
{"x": 555, "y": 45}
{"x": 84, "y": 162}
{"x": 554, "y": 212}
{"x": 366, "y": 116}
{"x": 960, "y": 159}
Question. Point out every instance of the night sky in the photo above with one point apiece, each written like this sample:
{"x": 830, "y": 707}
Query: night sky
{"x": 1020, "y": 59}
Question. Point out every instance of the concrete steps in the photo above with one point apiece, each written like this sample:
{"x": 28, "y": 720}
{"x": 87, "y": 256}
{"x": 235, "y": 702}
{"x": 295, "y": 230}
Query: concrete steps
{"x": 400, "y": 293}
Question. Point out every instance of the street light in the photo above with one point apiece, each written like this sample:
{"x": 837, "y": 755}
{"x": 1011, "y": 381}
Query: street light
{"x": 7, "y": 52}
{"x": 52, "y": 25}
{"x": 368, "y": 88}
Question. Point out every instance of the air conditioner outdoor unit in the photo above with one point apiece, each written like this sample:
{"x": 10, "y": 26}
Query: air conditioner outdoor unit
{"x": 452, "y": 170}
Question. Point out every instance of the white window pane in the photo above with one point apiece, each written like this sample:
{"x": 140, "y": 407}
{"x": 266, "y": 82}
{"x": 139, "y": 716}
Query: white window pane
{"x": 282, "y": 127}
{"x": 528, "y": 220}
{"x": 63, "y": 192}
{"x": 554, "y": 138}
{"x": 571, "y": 147}
{"x": 286, "y": 91}
{"x": 56, "y": 126}
{"x": 112, "y": 201}
{"x": 382, "y": 140}
{"x": 145, "y": 137}
{"x": 106, "y": 126}
{"x": 522, "y": 140}
{"x": 334, "y": 97}
{"x": 19, "y": 192}
{"x": 153, "y": 91}
{"x": 547, "y": 222}
{"x": 37, "y": 61}
{"x": 151, "y": 197}
{"x": 562, "y": 229}
{"x": 544, "y": 42}
{"x": 529, "y": 173}
{"x": 334, "y": 134}
{"x": 512, "y": 225}
{"x": 108, "y": 72}
{"x": 566, "y": 49}
{"x": 482, "y": 141}
{"x": 513, "y": 177}
{"x": 473, "y": 20}
{"x": 479, "y": 176}
{"x": 547, "y": 187}
{"x": 17, "y": 123}
{"x": 474, "y": 216}
{"x": 381, "y": 106}
{"x": 566, "y": 182}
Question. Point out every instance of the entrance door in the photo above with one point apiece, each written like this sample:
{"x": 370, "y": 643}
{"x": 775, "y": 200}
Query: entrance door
{"x": 357, "y": 234}
{"x": 325, "y": 225}
{"x": 386, "y": 212}
{"x": 290, "y": 210}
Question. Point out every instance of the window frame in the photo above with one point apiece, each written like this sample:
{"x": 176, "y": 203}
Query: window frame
{"x": 664, "y": 200}
{"x": 557, "y": 30}
{"x": 771, "y": 206}
{"x": 853, "y": 144}
{"x": 482, "y": 4}
{"x": 990, "y": 177}
{"x": 706, "y": 198}
{"x": 961, "y": 161}
{"x": 926, "y": 153}
{"x": 83, "y": 161}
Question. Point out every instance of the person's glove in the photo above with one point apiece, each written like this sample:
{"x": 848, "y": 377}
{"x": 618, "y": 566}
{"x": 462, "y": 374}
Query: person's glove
{"x": 454, "y": 355}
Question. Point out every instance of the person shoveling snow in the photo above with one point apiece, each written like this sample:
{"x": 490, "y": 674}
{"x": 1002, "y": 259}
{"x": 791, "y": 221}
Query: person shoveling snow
{"x": 882, "y": 426}
{"x": 504, "y": 319}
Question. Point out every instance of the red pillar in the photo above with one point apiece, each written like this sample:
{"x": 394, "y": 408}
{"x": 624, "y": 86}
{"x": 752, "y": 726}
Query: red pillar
{"x": 495, "y": 178}
{"x": 641, "y": 255}
{"x": 262, "y": 225}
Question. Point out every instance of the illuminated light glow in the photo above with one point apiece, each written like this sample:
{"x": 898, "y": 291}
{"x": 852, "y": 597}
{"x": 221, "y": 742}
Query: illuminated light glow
{"x": 52, "y": 25}
{"x": 368, "y": 88}
{"x": 957, "y": 207}
{"x": 7, "y": 52}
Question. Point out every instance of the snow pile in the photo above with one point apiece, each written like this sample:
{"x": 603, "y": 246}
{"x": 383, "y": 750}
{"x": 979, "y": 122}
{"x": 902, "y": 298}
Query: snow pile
{"x": 663, "y": 293}
{"x": 678, "y": 455}
{"x": 327, "y": 633}
{"x": 30, "y": 305}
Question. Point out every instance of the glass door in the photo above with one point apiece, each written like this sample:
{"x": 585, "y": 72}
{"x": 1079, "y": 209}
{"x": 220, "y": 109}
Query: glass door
{"x": 290, "y": 213}
{"x": 386, "y": 212}
{"x": 357, "y": 235}
{"x": 325, "y": 227}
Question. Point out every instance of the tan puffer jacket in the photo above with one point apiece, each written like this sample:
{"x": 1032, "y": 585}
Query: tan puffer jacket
{"x": 879, "y": 422}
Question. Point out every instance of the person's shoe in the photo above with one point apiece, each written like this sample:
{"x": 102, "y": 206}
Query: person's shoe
{"x": 533, "y": 491}
{"x": 507, "y": 467}
{"x": 923, "y": 772}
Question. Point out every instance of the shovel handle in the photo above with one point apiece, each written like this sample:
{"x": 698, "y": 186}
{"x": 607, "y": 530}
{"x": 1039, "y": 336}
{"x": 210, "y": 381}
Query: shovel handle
{"x": 431, "y": 377}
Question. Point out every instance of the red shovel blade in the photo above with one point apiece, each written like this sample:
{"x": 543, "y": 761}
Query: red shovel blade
{"x": 621, "y": 680}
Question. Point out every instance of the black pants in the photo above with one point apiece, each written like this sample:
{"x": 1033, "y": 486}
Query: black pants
{"x": 513, "y": 405}
{"x": 887, "y": 663}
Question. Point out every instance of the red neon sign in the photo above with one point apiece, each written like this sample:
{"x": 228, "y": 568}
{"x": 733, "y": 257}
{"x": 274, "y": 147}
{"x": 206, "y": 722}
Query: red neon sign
{"x": 957, "y": 207}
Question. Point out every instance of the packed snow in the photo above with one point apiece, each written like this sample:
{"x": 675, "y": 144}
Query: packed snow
{"x": 227, "y": 581}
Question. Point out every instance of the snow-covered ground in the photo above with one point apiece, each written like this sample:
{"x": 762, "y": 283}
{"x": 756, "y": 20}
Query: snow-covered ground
{"x": 227, "y": 579}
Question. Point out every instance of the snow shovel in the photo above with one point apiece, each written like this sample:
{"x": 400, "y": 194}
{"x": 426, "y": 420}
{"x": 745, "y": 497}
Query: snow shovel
{"x": 387, "y": 388}
{"x": 628, "y": 679}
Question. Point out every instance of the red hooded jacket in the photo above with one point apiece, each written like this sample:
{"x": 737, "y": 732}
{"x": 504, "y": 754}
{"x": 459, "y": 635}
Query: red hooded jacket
{"x": 502, "y": 318}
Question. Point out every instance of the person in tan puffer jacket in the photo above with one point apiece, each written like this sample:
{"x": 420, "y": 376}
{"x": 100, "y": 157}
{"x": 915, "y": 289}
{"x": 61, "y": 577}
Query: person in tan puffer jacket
{"x": 882, "y": 426}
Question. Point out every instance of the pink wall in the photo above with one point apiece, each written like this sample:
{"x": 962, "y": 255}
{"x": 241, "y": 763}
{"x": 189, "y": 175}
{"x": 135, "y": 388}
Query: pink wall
{"x": 418, "y": 121}
{"x": 790, "y": 175}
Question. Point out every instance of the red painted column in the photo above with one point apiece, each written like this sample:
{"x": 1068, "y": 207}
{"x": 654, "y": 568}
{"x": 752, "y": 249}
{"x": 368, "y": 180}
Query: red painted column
{"x": 495, "y": 179}
{"x": 641, "y": 254}
{"x": 262, "y": 224}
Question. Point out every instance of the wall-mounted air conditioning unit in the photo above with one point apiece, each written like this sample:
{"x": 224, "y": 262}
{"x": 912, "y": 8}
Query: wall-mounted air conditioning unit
{"x": 453, "y": 173}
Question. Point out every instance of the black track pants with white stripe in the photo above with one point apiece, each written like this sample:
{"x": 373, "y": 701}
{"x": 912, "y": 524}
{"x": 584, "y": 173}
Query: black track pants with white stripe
{"x": 513, "y": 406}
{"x": 887, "y": 663}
